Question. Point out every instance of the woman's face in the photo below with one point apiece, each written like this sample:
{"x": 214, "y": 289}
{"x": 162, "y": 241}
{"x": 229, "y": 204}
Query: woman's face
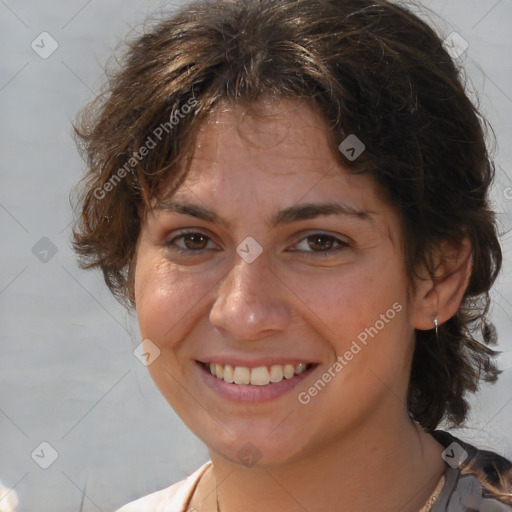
{"x": 272, "y": 258}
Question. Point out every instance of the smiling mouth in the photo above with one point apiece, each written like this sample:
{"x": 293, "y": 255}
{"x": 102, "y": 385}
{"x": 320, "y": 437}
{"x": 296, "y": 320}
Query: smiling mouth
{"x": 258, "y": 376}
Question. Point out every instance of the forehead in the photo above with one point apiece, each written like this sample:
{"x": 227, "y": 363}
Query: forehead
{"x": 274, "y": 158}
{"x": 286, "y": 130}
{"x": 272, "y": 167}
{"x": 282, "y": 143}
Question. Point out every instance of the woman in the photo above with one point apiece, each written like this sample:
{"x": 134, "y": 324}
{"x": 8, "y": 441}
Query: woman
{"x": 292, "y": 195}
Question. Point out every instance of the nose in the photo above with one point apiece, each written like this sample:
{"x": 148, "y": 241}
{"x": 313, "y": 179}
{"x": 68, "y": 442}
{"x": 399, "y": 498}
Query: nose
{"x": 250, "y": 303}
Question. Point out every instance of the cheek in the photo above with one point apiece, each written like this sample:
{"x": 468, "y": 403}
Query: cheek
{"x": 351, "y": 300}
{"x": 165, "y": 297}
{"x": 362, "y": 312}
{"x": 376, "y": 336}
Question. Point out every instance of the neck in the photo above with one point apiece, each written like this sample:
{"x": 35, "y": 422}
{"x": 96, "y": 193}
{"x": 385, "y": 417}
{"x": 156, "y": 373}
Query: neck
{"x": 387, "y": 468}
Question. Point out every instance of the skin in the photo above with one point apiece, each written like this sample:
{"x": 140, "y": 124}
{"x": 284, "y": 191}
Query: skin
{"x": 298, "y": 299}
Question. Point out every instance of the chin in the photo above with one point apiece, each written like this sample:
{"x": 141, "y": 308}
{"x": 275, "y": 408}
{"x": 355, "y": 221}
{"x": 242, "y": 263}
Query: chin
{"x": 255, "y": 449}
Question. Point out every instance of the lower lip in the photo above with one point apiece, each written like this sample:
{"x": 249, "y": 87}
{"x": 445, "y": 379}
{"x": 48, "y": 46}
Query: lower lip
{"x": 248, "y": 392}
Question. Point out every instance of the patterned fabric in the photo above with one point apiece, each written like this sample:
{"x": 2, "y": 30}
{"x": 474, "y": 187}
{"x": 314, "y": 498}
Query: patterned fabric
{"x": 482, "y": 482}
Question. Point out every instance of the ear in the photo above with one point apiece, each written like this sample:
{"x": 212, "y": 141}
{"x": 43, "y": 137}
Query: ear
{"x": 441, "y": 294}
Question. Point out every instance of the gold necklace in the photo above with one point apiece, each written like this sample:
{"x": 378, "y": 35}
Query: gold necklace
{"x": 433, "y": 497}
{"x": 216, "y": 488}
{"x": 426, "y": 508}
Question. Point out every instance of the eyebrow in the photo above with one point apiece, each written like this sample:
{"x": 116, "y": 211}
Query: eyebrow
{"x": 303, "y": 211}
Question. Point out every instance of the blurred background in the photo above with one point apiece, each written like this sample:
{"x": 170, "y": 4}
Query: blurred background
{"x": 82, "y": 426}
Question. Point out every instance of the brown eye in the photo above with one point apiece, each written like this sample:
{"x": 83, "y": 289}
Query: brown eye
{"x": 191, "y": 242}
{"x": 320, "y": 245}
{"x": 195, "y": 241}
{"x": 320, "y": 242}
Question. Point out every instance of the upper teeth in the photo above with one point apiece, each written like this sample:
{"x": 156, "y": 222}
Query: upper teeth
{"x": 259, "y": 376}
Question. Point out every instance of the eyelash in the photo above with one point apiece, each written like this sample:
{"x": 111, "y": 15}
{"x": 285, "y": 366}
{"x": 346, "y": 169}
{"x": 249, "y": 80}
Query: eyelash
{"x": 339, "y": 244}
{"x": 189, "y": 252}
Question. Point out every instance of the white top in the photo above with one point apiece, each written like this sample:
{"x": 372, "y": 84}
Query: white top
{"x": 172, "y": 499}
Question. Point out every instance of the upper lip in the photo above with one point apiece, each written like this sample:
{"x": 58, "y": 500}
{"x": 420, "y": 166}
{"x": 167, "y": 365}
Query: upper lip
{"x": 255, "y": 363}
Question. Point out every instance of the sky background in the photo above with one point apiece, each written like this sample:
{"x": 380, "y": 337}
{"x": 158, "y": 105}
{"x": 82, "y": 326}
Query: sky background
{"x": 68, "y": 376}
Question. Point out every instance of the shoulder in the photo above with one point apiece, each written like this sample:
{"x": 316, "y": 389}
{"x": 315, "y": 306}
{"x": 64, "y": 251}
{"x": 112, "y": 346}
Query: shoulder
{"x": 171, "y": 499}
{"x": 477, "y": 480}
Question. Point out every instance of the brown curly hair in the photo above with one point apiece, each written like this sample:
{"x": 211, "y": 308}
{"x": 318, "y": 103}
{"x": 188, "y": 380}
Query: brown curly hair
{"x": 372, "y": 69}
